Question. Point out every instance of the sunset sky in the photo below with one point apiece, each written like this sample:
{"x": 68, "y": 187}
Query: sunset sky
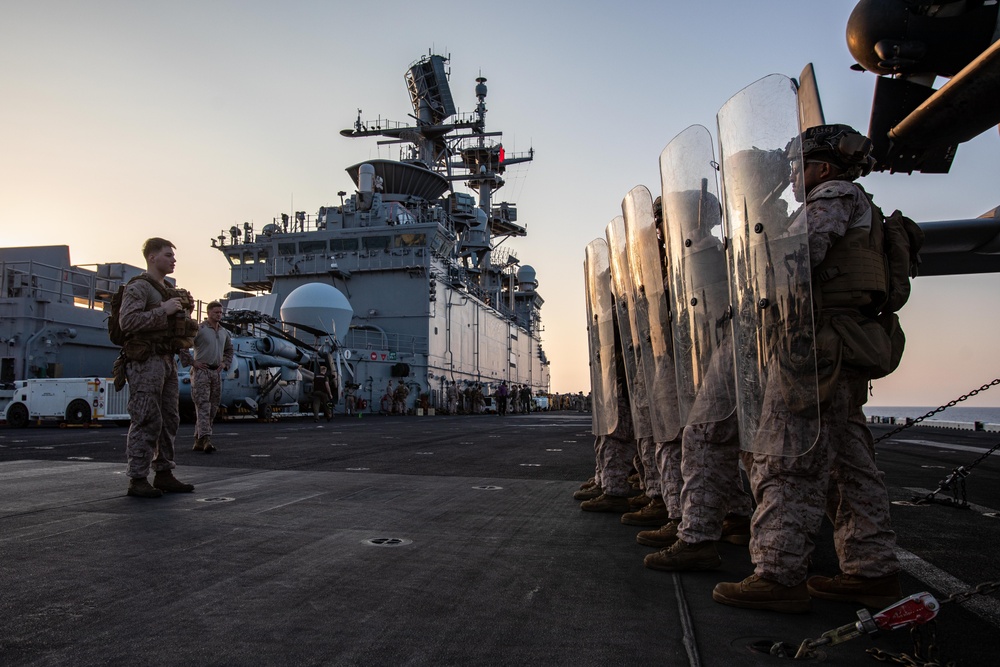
{"x": 123, "y": 120}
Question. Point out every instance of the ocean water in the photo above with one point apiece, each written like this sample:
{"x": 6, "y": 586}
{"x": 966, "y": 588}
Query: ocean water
{"x": 955, "y": 414}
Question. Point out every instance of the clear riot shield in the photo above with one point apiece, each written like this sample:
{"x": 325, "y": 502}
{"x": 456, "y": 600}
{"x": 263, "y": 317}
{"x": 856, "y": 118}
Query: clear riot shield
{"x": 621, "y": 281}
{"x": 651, "y": 332}
{"x": 774, "y": 336}
{"x": 699, "y": 285}
{"x": 601, "y": 336}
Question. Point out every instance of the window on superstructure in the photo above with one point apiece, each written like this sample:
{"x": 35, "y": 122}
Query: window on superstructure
{"x": 315, "y": 247}
{"x": 376, "y": 242}
{"x": 234, "y": 257}
{"x": 407, "y": 240}
{"x": 286, "y": 248}
{"x": 340, "y": 245}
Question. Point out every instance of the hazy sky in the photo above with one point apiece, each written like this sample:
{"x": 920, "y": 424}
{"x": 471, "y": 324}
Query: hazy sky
{"x": 124, "y": 120}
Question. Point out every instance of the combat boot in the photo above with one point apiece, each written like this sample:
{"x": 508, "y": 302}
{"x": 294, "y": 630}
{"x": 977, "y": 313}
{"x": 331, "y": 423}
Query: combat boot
{"x": 209, "y": 447}
{"x": 660, "y": 538}
{"x": 735, "y": 529}
{"x": 757, "y": 593}
{"x": 588, "y": 493}
{"x": 165, "y": 481}
{"x": 684, "y": 556}
{"x": 199, "y": 444}
{"x": 875, "y": 592}
{"x": 140, "y": 487}
{"x": 653, "y": 514}
{"x": 606, "y": 503}
{"x": 636, "y": 503}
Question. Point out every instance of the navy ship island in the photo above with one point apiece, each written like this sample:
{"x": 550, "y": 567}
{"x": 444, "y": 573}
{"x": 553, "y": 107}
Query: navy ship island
{"x": 407, "y": 281}
{"x": 433, "y": 298}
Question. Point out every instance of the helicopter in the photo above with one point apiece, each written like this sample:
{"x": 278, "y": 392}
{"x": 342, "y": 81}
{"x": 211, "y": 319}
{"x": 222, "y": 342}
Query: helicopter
{"x": 271, "y": 371}
{"x": 909, "y": 44}
{"x": 273, "y": 368}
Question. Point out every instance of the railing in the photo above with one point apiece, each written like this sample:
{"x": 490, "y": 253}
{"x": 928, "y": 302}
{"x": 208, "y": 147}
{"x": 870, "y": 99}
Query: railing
{"x": 372, "y": 339}
{"x": 371, "y": 260}
{"x": 28, "y": 278}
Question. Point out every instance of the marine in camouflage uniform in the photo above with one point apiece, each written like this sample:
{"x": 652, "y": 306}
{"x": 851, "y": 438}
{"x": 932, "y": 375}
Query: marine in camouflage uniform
{"x": 322, "y": 393}
{"x": 615, "y": 452}
{"x": 350, "y": 398}
{"x": 477, "y": 399}
{"x": 839, "y": 471}
{"x": 213, "y": 354}
{"x": 399, "y": 398}
{"x": 713, "y": 504}
{"x": 148, "y": 320}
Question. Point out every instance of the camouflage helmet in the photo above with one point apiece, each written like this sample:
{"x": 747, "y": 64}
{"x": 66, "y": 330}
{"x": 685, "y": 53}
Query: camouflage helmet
{"x": 840, "y": 145}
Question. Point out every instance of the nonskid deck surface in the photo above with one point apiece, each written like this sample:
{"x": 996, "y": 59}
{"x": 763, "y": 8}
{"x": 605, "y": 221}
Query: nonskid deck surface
{"x": 418, "y": 541}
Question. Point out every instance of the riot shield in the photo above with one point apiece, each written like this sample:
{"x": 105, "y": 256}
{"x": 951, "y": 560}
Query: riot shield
{"x": 699, "y": 286}
{"x": 651, "y": 332}
{"x": 621, "y": 281}
{"x": 773, "y": 333}
{"x": 601, "y": 336}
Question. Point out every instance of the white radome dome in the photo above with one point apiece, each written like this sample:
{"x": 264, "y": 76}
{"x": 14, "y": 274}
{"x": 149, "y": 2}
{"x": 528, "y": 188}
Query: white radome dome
{"x": 318, "y": 306}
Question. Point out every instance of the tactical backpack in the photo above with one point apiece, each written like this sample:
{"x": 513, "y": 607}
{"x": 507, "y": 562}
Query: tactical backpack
{"x": 115, "y": 332}
{"x": 868, "y": 272}
{"x": 181, "y": 328}
{"x": 902, "y": 239}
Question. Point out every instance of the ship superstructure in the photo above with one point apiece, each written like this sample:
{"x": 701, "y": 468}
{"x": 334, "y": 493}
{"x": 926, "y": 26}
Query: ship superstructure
{"x": 438, "y": 301}
{"x": 53, "y": 319}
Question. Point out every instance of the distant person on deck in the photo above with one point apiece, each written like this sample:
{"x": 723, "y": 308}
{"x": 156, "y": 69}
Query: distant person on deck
{"x": 502, "y": 395}
{"x": 213, "y": 354}
{"x": 322, "y": 394}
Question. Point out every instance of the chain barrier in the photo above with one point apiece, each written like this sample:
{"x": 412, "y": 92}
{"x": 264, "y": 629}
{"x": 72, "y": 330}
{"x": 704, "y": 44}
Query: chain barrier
{"x": 955, "y": 481}
{"x": 949, "y": 404}
{"x": 985, "y": 588}
{"x": 956, "y": 475}
{"x": 925, "y": 654}
{"x": 925, "y": 648}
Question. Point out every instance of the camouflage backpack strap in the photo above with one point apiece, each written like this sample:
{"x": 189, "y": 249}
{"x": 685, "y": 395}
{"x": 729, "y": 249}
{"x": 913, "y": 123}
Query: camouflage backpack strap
{"x": 149, "y": 279}
{"x": 181, "y": 329}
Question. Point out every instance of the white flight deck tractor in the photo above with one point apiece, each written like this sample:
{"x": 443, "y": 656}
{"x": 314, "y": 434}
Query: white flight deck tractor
{"x": 75, "y": 401}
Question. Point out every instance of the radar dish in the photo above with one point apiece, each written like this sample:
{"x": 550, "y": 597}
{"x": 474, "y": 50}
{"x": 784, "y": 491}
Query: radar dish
{"x": 404, "y": 178}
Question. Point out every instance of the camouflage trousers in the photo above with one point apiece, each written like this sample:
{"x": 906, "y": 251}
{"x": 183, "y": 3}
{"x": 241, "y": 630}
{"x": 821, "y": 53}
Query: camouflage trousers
{"x": 668, "y": 464}
{"x": 206, "y": 392}
{"x": 837, "y": 475}
{"x": 712, "y": 483}
{"x": 614, "y": 462}
{"x": 614, "y": 452}
{"x": 152, "y": 406}
{"x": 645, "y": 464}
